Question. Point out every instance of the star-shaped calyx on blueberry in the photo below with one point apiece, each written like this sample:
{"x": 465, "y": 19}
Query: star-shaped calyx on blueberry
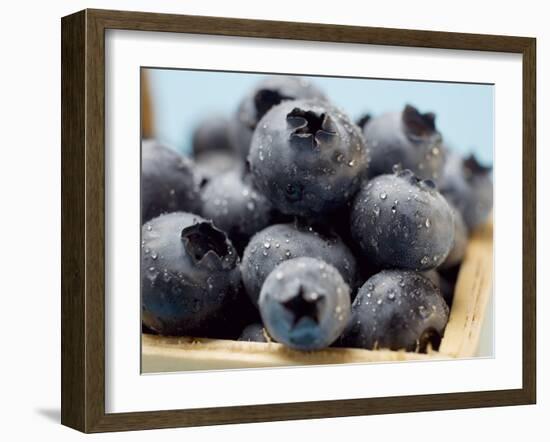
{"x": 311, "y": 128}
{"x": 208, "y": 246}
{"x": 305, "y": 304}
{"x": 418, "y": 125}
{"x": 472, "y": 167}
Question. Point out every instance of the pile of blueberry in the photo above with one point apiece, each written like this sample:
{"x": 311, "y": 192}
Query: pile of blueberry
{"x": 292, "y": 223}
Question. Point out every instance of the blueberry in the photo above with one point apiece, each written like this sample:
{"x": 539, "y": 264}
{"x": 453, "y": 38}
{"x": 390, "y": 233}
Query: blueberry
{"x": 401, "y": 221}
{"x": 235, "y": 207}
{"x": 212, "y": 150}
{"x": 209, "y": 165}
{"x": 469, "y": 187}
{"x": 211, "y": 135}
{"x": 168, "y": 181}
{"x": 189, "y": 275}
{"x": 268, "y": 93}
{"x": 433, "y": 276}
{"x": 253, "y": 333}
{"x": 281, "y": 242}
{"x": 397, "y": 309}
{"x": 305, "y": 304}
{"x": 307, "y": 157}
{"x": 445, "y": 286}
{"x": 460, "y": 241}
{"x": 405, "y": 140}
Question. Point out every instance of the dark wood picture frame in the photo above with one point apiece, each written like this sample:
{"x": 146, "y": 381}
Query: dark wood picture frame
{"x": 83, "y": 219}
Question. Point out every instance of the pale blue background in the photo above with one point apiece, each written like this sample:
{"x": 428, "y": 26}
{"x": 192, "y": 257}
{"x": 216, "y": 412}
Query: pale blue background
{"x": 181, "y": 99}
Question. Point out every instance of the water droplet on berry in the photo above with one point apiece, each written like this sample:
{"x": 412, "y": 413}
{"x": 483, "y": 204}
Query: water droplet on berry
{"x": 425, "y": 260}
{"x": 383, "y": 195}
{"x": 313, "y": 296}
{"x": 152, "y": 273}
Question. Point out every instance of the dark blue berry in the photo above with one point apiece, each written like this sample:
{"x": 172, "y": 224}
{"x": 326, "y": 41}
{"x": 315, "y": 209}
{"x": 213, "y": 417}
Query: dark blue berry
{"x": 305, "y": 304}
{"x": 401, "y": 221}
{"x": 405, "y": 140}
{"x": 307, "y": 157}
{"x": 190, "y": 275}
{"x": 445, "y": 286}
{"x": 268, "y": 93}
{"x": 209, "y": 165}
{"x": 468, "y": 186}
{"x": 253, "y": 333}
{"x": 281, "y": 242}
{"x": 460, "y": 241}
{"x": 168, "y": 182}
{"x": 397, "y": 310}
{"x": 235, "y": 207}
{"x": 211, "y": 135}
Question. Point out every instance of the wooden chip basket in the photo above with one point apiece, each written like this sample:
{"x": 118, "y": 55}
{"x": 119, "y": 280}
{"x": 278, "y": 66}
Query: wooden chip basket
{"x": 461, "y": 339}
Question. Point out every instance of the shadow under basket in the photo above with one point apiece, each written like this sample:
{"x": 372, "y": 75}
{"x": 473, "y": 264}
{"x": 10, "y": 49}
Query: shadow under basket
{"x": 461, "y": 339}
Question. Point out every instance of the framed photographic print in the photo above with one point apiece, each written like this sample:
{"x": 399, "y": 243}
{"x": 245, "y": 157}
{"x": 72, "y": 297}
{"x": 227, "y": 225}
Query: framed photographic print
{"x": 270, "y": 220}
